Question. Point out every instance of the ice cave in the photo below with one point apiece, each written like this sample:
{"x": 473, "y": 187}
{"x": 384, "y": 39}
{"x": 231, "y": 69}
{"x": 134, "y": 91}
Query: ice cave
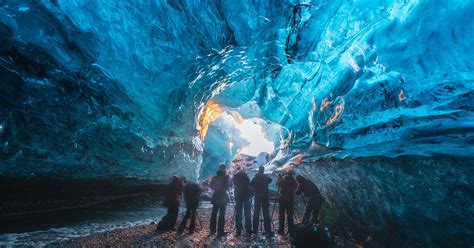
{"x": 102, "y": 101}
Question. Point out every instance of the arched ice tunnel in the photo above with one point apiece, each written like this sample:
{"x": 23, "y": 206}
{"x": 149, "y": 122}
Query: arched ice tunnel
{"x": 373, "y": 100}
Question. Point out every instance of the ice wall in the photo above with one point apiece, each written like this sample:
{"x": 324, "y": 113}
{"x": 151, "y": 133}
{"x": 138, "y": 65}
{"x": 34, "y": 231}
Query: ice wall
{"x": 408, "y": 201}
{"x": 98, "y": 87}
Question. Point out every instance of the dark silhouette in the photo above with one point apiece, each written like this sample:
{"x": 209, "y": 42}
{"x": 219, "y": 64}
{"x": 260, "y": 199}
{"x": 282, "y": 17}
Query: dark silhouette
{"x": 312, "y": 235}
{"x": 242, "y": 194}
{"x": 171, "y": 202}
{"x": 220, "y": 185}
{"x": 288, "y": 186}
{"x": 315, "y": 199}
{"x": 192, "y": 196}
{"x": 260, "y": 183}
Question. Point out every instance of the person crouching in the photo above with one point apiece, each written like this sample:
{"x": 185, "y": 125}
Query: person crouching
{"x": 315, "y": 199}
{"x": 171, "y": 202}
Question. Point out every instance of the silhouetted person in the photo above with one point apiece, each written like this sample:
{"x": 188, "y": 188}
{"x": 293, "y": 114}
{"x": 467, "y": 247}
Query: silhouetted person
{"x": 172, "y": 200}
{"x": 242, "y": 200}
{"x": 315, "y": 199}
{"x": 220, "y": 185}
{"x": 287, "y": 184}
{"x": 192, "y": 196}
{"x": 260, "y": 183}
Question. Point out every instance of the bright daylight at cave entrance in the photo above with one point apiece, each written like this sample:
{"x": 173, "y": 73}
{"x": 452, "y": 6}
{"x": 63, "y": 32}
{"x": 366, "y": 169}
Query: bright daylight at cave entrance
{"x": 253, "y": 133}
{"x": 222, "y": 123}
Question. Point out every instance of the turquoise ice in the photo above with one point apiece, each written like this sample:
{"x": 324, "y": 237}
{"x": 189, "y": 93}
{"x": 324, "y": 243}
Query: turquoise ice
{"x": 374, "y": 98}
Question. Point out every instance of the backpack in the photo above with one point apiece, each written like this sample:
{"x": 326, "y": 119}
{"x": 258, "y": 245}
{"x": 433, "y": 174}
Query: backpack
{"x": 312, "y": 235}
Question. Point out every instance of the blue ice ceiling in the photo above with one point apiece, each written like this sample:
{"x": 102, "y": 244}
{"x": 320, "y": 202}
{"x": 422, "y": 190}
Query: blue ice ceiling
{"x": 375, "y": 97}
{"x": 117, "y": 87}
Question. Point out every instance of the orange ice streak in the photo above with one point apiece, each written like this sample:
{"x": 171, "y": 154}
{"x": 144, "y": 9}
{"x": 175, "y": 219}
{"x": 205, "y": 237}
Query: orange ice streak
{"x": 401, "y": 96}
{"x": 338, "y": 112}
{"x": 210, "y": 112}
{"x": 324, "y": 104}
{"x": 286, "y": 167}
{"x": 298, "y": 159}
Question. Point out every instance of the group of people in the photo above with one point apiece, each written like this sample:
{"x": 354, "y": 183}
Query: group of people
{"x": 244, "y": 190}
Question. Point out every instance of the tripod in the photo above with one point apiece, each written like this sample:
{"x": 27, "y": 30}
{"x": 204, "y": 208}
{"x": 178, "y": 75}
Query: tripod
{"x": 294, "y": 216}
{"x": 260, "y": 216}
{"x": 303, "y": 200}
{"x": 274, "y": 205}
{"x": 192, "y": 214}
{"x": 199, "y": 219}
{"x": 233, "y": 203}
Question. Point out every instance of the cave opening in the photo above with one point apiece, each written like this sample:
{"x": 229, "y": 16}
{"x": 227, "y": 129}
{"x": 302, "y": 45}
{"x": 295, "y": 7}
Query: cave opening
{"x": 228, "y": 136}
{"x": 104, "y": 101}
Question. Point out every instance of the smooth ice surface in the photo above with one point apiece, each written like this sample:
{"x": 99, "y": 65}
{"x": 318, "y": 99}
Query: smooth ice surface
{"x": 98, "y": 87}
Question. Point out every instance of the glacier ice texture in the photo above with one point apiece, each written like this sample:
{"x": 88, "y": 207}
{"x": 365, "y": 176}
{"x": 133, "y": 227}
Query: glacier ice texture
{"x": 375, "y": 96}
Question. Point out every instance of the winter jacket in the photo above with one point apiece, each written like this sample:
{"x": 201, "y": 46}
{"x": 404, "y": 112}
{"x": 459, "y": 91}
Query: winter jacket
{"x": 260, "y": 183}
{"x": 192, "y": 193}
{"x": 173, "y": 193}
{"x": 242, "y": 185}
{"x": 288, "y": 185}
{"x": 220, "y": 185}
{"x": 309, "y": 189}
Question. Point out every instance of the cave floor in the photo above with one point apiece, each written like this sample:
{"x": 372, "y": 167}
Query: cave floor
{"x": 146, "y": 235}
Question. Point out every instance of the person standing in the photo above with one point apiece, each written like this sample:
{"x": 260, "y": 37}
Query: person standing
{"x": 260, "y": 183}
{"x": 171, "y": 202}
{"x": 242, "y": 200}
{"x": 192, "y": 196}
{"x": 220, "y": 185}
{"x": 315, "y": 199}
{"x": 287, "y": 184}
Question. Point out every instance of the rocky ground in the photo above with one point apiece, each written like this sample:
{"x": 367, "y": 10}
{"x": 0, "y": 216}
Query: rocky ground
{"x": 146, "y": 235}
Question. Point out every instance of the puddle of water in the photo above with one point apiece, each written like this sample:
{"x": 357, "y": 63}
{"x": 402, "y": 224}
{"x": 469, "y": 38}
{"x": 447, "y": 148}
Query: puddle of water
{"x": 42, "y": 229}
